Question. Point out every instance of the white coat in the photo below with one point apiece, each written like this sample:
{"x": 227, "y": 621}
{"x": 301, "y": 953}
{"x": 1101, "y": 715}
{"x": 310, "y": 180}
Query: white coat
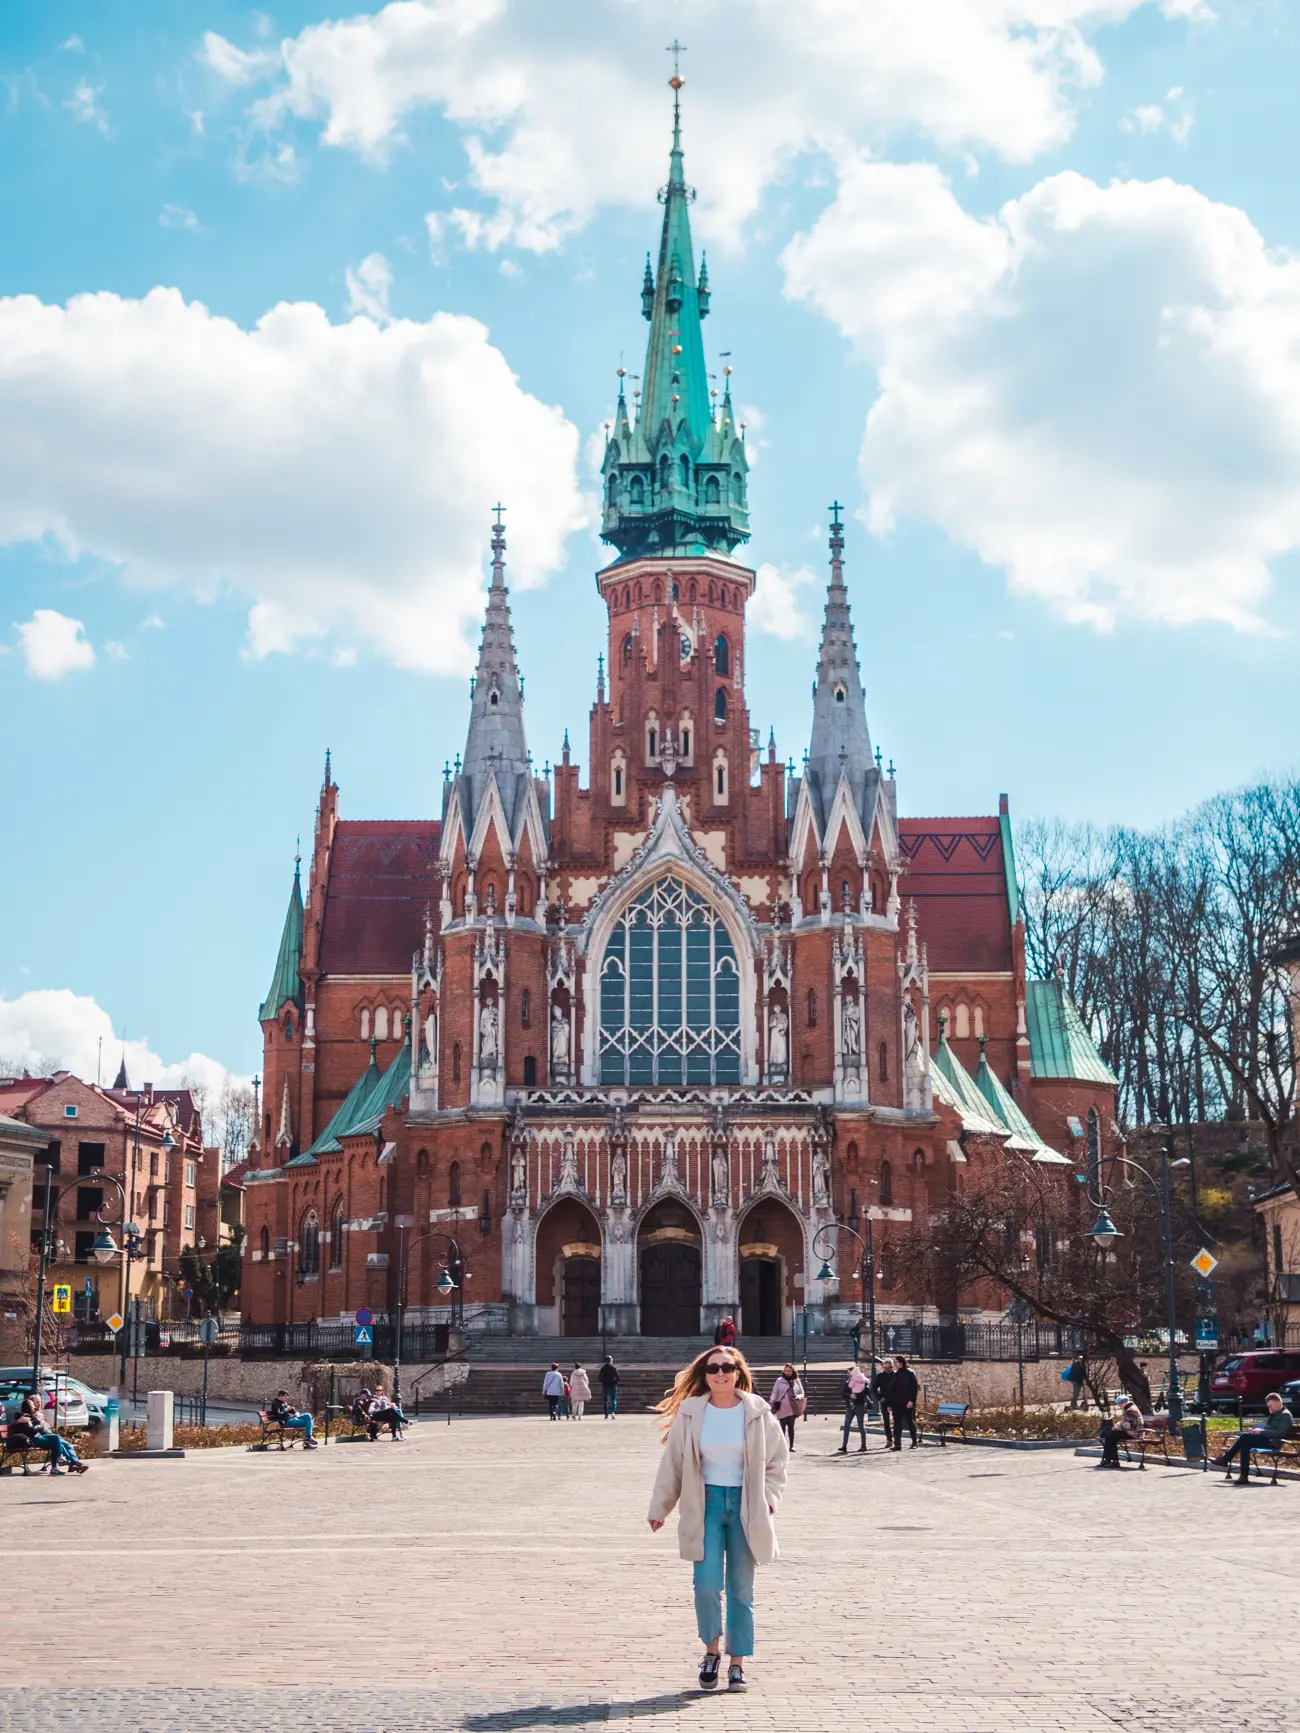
{"x": 579, "y": 1385}
{"x": 681, "y": 1478}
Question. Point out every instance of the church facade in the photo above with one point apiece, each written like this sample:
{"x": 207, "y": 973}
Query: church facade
{"x": 611, "y": 1052}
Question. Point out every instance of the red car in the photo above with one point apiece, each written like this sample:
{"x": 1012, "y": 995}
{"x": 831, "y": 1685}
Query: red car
{"x": 1248, "y": 1378}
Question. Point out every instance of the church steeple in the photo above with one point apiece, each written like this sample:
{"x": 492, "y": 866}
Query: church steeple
{"x": 286, "y": 983}
{"x": 840, "y": 743}
{"x": 494, "y": 744}
{"x": 676, "y": 482}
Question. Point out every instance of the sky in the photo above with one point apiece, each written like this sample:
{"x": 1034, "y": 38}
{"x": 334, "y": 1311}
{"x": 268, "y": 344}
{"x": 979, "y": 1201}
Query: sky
{"x": 289, "y": 300}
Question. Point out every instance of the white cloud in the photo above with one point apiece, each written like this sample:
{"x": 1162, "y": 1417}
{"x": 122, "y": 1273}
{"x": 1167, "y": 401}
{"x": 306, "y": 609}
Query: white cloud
{"x": 1176, "y": 117}
{"x": 775, "y": 608}
{"x": 563, "y": 108}
{"x": 368, "y": 287}
{"x": 53, "y": 645}
{"x": 1097, "y": 390}
{"x": 152, "y": 623}
{"x": 115, "y": 649}
{"x": 54, "y": 1027}
{"x": 338, "y": 476}
{"x": 195, "y": 118}
{"x": 178, "y": 217}
{"x": 84, "y": 105}
{"x": 72, "y": 45}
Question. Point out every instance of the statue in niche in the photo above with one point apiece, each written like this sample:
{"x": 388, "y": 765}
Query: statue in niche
{"x": 430, "y": 1044}
{"x": 913, "y": 1063}
{"x": 488, "y": 1028}
{"x": 770, "y": 1175}
{"x": 821, "y": 1183}
{"x": 559, "y": 1041}
{"x": 721, "y": 1177}
{"x": 668, "y": 1171}
{"x": 618, "y": 1177}
{"x": 778, "y": 1041}
{"x": 518, "y": 1171}
{"x": 851, "y": 1024}
{"x": 568, "y": 1166}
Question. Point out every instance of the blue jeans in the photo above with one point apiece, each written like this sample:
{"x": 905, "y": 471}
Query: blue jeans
{"x": 610, "y": 1394}
{"x": 59, "y": 1448}
{"x": 301, "y": 1423}
{"x": 725, "y": 1535}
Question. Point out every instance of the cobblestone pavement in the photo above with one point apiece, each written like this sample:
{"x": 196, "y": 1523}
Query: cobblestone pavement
{"x": 498, "y": 1575}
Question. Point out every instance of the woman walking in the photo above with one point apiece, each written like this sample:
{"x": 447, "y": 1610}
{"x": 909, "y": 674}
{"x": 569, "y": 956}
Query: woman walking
{"x": 579, "y": 1390}
{"x": 724, "y": 1461}
{"x": 788, "y": 1400}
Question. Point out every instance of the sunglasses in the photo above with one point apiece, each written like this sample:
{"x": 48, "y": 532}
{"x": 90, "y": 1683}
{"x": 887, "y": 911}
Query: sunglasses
{"x": 716, "y": 1369}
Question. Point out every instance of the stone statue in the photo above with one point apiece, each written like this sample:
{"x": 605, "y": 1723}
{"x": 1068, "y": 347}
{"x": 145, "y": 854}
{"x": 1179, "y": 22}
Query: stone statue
{"x": 721, "y": 1178}
{"x": 668, "y": 1171}
{"x": 559, "y": 1041}
{"x": 770, "y": 1175}
{"x": 778, "y": 1043}
{"x": 568, "y": 1166}
{"x": 821, "y": 1183}
{"x": 430, "y": 1041}
{"x": 851, "y": 1025}
{"x": 913, "y": 1063}
{"x": 618, "y": 1177}
{"x": 487, "y": 1037}
{"x": 518, "y": 1171}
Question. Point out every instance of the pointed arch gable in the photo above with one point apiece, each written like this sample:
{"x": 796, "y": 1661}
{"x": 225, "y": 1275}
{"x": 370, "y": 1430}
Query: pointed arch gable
{"x": 804, "y": 835}
{"x": 844, "y": 816}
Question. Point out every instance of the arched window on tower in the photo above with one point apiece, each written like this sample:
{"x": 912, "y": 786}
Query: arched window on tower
{"x": 720, "y": 704}
{"x": 525, "y": 1009}
{"x": 453, "y": 1185}
{"x": 722, "y": 656}
{"x": 381, "y": 1023}
{"x": 712, "y": 492}
{"x": 627, "y": 649}
{"x": 737, "y": 490}
{"x": 721, "y": 787}
{"x": 636, "y": 493}
{"x": 686, "y": 470}
{"x": 309, "y": 1244}
{"x": 663, "y": 473}
{"x": 886, "y": 1184}
{"x": 530, "y": 1071}
{"x": 336, "y": 1235}
{"x": 884, "y": 1061}
{"x": 962, "y": 1030}
{"x": 455, "y": 1063}
{"x": 652, "y": 737}
{"x": 612, "y": 490}
{"x": 812, "y": 1008}
{"x": 264, "y": 1243}
{"x": 365, "y": 1024}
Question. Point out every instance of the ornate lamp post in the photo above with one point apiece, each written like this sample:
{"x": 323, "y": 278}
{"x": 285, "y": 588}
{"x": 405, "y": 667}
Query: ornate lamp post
{"x": 451, "y": 1281}
{"x": 866, "y": 1267}
{"x": 104, "y": 1249}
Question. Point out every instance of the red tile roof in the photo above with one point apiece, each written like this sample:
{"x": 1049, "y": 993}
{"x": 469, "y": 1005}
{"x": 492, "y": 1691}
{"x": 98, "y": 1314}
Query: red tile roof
{"x": 956, "y": 873}
{"x": 20, "y": 1090}
{"x": 381, "y": 882}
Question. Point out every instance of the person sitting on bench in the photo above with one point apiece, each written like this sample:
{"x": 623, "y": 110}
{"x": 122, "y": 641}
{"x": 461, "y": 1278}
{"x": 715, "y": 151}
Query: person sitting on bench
{"x": 283, "y": 1412}
{"x": 359, "y": 1412}
{"x": 385, "y": 1413}
{"x": 1268, "y": 1437}
{"x": 1127, "y": 1429}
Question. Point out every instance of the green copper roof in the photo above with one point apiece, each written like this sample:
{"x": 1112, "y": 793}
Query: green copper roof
{"x": 675, "y": 477}
{"x": 285, "y": 983}
{"x": 364, "y": 1106}
{"x": 1005, "y": 1107}
{"x": 1059, "y": 1044}
{"x": 1009, "y": 859}
{"x": 954, "y": 1087}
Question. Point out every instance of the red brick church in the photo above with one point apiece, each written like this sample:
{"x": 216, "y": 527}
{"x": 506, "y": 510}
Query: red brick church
{"x": 628, "y": 1041}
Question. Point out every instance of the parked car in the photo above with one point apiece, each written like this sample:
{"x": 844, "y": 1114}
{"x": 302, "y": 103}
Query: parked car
{"x": 65, "y": 1408}
{"x": 1248, "y": 1378}
{"x": 1291, "y": 1396}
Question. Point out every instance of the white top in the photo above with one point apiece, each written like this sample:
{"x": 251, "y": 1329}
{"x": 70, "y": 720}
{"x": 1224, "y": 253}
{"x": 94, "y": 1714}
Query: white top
{"x": 722, "y": 1445}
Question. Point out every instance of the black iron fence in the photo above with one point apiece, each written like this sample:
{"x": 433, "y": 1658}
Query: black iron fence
{"x": 274, "y": 1341}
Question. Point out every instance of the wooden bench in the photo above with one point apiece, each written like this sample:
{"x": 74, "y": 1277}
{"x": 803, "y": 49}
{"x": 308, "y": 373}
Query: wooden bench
{"x": 949, "y": 1417}
{"x": 1285, "y": 1450}
{"x": 272, "y": 1430}
{"x": 15, "y": 1445}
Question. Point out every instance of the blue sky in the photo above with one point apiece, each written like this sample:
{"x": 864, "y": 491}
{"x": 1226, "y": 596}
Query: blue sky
{"x": 287, "y": 301}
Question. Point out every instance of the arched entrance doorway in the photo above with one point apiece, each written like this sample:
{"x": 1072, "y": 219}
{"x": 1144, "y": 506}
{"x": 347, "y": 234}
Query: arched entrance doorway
{"x": 568, "y": 1270}
{"x": 669, "y": 1258}
{"x": 771, "y": 1255}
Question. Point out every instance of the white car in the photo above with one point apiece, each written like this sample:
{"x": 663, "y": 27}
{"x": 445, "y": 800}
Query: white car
{"x": 65, "y": 1406}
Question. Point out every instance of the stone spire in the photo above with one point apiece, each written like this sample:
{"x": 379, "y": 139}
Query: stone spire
{"x": 840, "y": 742}
{"x": 495, "y": 745}
{"x": 676, "y": 482}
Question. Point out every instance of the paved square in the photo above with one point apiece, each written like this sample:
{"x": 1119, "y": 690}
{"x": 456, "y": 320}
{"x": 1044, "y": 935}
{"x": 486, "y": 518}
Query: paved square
{"x": 499, "y": 1574}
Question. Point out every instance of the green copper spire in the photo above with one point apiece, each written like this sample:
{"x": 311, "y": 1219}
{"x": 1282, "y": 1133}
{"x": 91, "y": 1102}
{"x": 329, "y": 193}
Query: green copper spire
{"x": 675, "y": 482}
{"x": 286, "y": 982}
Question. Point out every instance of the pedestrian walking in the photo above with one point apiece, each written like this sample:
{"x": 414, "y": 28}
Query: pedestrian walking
{"x": 787, "y": 1400}
{"x": 724, "y": 1463}
{"x": 903, "y": 1392}
{"x": 608, "y": 1377}
{"x": 1268, "y": 1437}
{"x": 855, "y": 1336}
{"x": 579, "y": 1390}
{"x": 566, "y": 1406}
{"x": 553, "y": 1389}
{"x": 1073, "y": 1376}
{"x": 882, "y": 1388}
{"x": 726, "y": 1333}
{"x": 855, "y": 1403}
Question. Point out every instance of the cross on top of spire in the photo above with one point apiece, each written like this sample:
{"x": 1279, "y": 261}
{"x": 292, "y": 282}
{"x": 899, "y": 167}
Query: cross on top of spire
{"x": 835, "y": 509}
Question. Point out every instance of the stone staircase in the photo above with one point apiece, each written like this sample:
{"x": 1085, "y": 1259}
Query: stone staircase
{"x": 668, "y": 1351}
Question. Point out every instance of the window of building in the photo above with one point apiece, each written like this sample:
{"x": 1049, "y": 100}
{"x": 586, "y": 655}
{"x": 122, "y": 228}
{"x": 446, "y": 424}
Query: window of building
{"x": 686, "y": 738}
{"x": 422, "y": 1162}
{"x": 153, "y": 1164}
{"x": 887, "y": 1184}
{"x": 190, "y": 1171}
{"x": 336, "y": 1236}
{"x": 51, "y": 1156}
{"x": 737, "y": 490}
{"x": 663, "y": 473}
{"x": 90, "y": 1158}
{"x": 530, "y": 1071}
{"x": 977, "y": 1018}
{"x": 618, "y": 781}
{"x": 70, "y": 1111}
{"x": 720, "y": 704}
{"x": 669, "y": 993}
{"x": 264, "y": 1242}
{"x": 455, "y": 1063}
{"x": 962, "y": 1029}
{"x": 453, "y": 1185}
{"x": 812, "y": 1008}
{"x": 720, "y": 778}
{"x": 712, "y": 493}
{"x": 525, "y": 1009}
{"x": 627, "y": 649}
{"x": 686, "y": 482}
{"x": 883, "y": 1066}
{"x": 381, "y": 1023}
{"x": 722, "y": 655}
{"x": 612, "y": 490}
{"x": 309, "y": 1244}
{"x": 396, "y": 1024}
{"x": 637, "y": 493}
{"x": 918, "y": 1160}
{"x": 652, "y": 737}
{"x": 365, "y": 1024}
{"x": 189, "y": 1217}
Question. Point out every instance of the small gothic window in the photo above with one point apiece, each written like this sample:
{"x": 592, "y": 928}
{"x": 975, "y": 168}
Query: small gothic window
{"x": 268, "y": 1127}
{"x": 720, "y": 704}
{"x": 676, "y": 588}
{"x": 720, "y": 778}
{"x": 525, "y": 1009}
{"x": 737, "y": 489}
{"x": 652, "y": 741}
{"x": 918, "y": 1160}
{"x": 288, "y": 1028}
{"x": 637, "y": 494}
{"x": 979, "y": 1019}
{"x": 886, "y": 1184}
{"x": 686, "y": 482}
{"x": 524, "y": 897}
{"x": 613, "y": 489}
{"x": 453, "y": 1185}
{"x": 839, "y": 694}
{"x": 962, "y": 1030}
{"x": 309, "y": 1244}
{"x": 851, "y": 1155}
{"x": 422, "y": 1162}
{"x": 381, "y": 1023}
{"x": 336, "y": 1237}
{"x": 722, "y": 656}
{"x": 627, "y": 593}
{"x": 396, "y": 1025}
{"x": 686, "y": 743}
{"x": 884, "y": 1062}
{"x": 530, "y": 1071}
{"x": 663, "y": 473}
{"x": 812, "y": 1007}
{"x": 711, "y": 491}
{"x": 627, "y": 648}
{"x": 365, "y": 1025}
{"x": 618, "y": 782}
{"x": 455, "y": 1063}
{"x": 265, "y": 1242}
{"x": 494, "y": 698}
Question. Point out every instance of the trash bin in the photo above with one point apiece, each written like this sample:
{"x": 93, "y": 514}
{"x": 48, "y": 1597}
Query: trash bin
{"x": 1194, "y": 1440}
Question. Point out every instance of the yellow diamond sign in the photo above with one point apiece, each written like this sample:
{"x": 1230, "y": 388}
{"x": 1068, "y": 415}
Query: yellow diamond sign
{"x": 1204, "y": 1262}
{"x": 116, "y": 1322}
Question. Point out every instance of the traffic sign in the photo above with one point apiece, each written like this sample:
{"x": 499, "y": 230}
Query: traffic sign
{"x": 90, "y": 1287}
{"x": 209, "y": 1330}
{"x": 365, "y": 1316}
{"x": 188, "y": 1293}
{"x": 63, "y": 1297}
{"x": 1207, "y": 1335}
{"x": 363, "y": 1336}
{"x": 115, "y": 1322}
{"x": 1205, "y": 1263}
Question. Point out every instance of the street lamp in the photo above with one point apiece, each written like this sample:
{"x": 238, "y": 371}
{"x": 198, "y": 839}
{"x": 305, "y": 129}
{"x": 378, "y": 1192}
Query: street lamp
{"x": 1104, "y": 1232}
{"x": 104, "y": 1249}
{"x": 446, "y": 1284}
{"x": 866, "y": 1268}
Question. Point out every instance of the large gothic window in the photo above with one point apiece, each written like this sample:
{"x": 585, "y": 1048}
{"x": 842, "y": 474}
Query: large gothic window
{"x": 669, "y": 993}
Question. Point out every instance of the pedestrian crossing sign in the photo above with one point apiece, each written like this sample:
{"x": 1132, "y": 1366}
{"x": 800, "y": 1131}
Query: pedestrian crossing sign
{"x": 363, "y": 1336}
{"x": 62, "y": 1298}
{"x": 1204, "y": 1262}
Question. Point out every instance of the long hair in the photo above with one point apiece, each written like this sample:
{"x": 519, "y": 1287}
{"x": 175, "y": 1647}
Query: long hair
{"x": 692, "y": 1380}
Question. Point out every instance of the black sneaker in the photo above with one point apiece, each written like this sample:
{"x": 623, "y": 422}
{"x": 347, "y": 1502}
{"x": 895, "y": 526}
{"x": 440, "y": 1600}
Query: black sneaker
{"x": 709, "y": 1672}
{"x": 736, "y": 1677}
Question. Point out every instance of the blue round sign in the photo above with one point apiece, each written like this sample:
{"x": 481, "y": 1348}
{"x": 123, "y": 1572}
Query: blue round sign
{"x": 365, "y": 1316}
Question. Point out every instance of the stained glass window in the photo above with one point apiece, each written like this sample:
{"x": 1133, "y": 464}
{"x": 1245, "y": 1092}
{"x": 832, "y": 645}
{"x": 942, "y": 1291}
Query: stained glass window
{"x": 669, "y": 993}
